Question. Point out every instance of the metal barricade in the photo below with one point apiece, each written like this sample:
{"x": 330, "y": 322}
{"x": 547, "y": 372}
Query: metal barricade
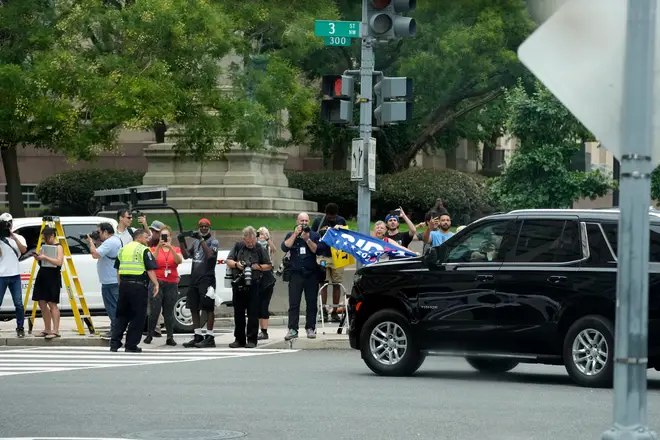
{"x": 344, "y": 315}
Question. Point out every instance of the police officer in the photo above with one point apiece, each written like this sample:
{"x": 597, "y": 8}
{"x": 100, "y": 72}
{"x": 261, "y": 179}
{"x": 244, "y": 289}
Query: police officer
{"x": 135, "y": 265}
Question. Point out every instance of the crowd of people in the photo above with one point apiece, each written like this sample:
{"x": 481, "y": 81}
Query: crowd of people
{"x": 138, "y": 273}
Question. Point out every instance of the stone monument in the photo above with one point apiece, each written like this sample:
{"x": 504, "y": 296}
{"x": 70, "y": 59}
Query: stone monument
{"x": 240, "y": 183}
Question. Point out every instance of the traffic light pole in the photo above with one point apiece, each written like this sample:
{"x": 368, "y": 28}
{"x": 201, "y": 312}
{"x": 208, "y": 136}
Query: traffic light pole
{"x": 366, "y": 116}
{"x": 631, "y": 350}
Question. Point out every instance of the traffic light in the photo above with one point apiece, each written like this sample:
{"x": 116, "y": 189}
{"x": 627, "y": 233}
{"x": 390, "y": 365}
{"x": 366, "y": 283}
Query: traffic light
{"x": 393, "y": 100}
{"x": 337, "y": 103}
{"x": 385, "y": 21}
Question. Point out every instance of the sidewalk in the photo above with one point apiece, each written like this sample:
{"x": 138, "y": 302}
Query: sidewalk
{"x": 223, "y": 337}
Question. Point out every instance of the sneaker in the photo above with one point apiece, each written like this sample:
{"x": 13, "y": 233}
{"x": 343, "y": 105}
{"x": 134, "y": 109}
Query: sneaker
{"x": 291, "y": 335}
{"x": 148, "y": 340}
{"x": 106, "y": 336}
{"x": 171, "y": 342}
{"x": 20, "y": 332}
{"x": 262, "y": 336}
{"x": 311, "y": 333}
{"x": 192, "y": 343}
{"x": 335, "y": 317}
{"x": 133, "y": 350}
{"x": 207, "y": 342}
{"x": 251, "y": 345}
{"x": 236, "y": 344}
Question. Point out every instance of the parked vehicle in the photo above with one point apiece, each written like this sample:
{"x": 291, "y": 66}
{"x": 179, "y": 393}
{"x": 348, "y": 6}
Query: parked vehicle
{"x": 529, "y": 286}
{"x": 74, "y": 227}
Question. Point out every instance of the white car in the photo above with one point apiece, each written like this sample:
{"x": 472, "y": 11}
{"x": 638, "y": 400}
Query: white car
{"x": 85, "y": 265}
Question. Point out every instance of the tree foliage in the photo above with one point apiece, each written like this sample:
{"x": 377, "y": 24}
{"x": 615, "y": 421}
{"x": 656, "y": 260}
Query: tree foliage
{"x": 539, "y": 173}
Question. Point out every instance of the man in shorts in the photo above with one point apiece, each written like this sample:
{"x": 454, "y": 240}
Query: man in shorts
{"x": 204, "y": 252}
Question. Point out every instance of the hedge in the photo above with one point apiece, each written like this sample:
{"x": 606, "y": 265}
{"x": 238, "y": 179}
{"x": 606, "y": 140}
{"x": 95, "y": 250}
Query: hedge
{"x": 72, "y": 192}
{"x": 416, "y": 190}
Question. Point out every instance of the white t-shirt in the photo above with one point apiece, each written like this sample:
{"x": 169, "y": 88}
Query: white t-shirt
{"x": 9, "y": 258}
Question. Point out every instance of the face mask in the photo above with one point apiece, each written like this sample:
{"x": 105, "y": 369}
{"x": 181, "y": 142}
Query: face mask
{"x": 263, "y": 243}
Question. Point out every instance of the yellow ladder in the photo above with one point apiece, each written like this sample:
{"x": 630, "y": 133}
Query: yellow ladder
{"x": 69, "y": 274}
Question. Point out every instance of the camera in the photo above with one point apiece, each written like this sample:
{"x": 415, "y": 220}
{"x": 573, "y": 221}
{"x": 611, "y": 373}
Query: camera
{"x": 245, "y": 278}
{"x": 94, "y": 235}
{"x": 138, "y": 214}
{"x": 5, "y": 228}
{"x": 307, "y": 229}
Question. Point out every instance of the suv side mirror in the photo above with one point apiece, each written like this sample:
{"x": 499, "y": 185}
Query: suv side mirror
{"x": 436, "y": 257}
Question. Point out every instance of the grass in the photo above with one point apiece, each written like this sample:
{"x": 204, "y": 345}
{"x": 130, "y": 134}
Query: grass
{"x": 238, "y": 223}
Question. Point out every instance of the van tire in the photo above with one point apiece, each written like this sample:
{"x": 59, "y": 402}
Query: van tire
{"x": 182, "y": 316}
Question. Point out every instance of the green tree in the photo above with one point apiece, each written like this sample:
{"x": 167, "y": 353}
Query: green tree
{"x": 539, "y": 173}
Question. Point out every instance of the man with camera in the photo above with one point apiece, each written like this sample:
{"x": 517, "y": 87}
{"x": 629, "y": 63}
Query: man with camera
{"x": 302, "y": 245}
{"x": 204, "y": 252}
{"x": 249, "y": 264}
{"x": 12, "y": 246}
{"x": 106, "y": 255}
{"x": 124, "y": 230}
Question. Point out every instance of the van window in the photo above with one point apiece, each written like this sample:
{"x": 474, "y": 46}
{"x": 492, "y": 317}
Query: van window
{"x": 31, "y": 236}
{"x": 76, "y": 244}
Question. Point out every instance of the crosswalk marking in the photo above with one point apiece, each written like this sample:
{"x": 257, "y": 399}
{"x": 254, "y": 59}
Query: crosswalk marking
{"x": 51, "y": 359}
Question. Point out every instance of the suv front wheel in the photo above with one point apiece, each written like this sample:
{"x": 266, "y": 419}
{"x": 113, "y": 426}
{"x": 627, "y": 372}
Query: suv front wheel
{"x": 589, "y": 351}
{"x": 387, "y": 346}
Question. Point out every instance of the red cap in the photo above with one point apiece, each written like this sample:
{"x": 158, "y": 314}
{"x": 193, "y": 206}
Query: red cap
{"x": 204, "y": 220}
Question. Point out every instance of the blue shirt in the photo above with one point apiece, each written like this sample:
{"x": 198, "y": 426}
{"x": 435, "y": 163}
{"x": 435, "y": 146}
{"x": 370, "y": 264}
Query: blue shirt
{"x": 437, "y": 237}
{"x": 105, "y": 265}
{"x": 301, "y": 255}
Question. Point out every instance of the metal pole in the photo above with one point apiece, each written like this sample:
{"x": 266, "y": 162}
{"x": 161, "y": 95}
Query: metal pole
{"x": 366, "y": 80}
{"x": 631, "y": 334}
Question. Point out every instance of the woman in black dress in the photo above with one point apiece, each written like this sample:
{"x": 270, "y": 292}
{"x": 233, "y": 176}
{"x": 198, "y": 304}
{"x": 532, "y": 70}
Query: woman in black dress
{"x": 48, "y": 284}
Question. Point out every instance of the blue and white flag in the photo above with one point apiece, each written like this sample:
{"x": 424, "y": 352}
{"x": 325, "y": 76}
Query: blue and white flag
{"x": 364, "y": 248}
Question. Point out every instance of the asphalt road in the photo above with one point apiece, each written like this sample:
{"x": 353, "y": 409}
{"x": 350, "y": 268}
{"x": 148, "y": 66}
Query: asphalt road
{"x": 306, "y": 395}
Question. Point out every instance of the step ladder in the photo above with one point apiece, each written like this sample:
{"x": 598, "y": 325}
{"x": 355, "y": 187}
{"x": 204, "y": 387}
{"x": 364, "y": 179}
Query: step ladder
{"x": 69, "y": 276}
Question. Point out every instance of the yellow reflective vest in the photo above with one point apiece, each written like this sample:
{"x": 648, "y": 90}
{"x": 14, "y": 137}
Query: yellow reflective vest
{"x": 131, "y": 259}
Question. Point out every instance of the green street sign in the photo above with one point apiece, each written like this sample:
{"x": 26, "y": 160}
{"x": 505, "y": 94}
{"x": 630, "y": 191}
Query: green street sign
{"x": 331, "y": 28}
{"x": 336, "y": 41}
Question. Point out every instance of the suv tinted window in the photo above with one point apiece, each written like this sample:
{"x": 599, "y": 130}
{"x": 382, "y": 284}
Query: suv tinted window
{"x": 598, "y": 249}
{"x": 548, "y": 241}
{"x": 73, "y": 233}
{"x": 612, "y": 230}
{"x": 488, "y": 242}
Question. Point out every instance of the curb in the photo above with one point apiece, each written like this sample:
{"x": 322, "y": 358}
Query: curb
{"x": 59, "y": 342}
{"x": 309, "y": 344}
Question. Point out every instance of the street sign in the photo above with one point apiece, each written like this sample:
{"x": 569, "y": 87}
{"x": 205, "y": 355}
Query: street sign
{"x": 336, "y": 41}
{"x": 336, "y": 28}
{"x": 371, "y": 162}
{"x": 357, "y": 159}
{"x": 566, "y": 54}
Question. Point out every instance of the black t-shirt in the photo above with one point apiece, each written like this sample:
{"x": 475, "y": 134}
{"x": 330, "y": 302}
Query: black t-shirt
{"x": 402, "y": 238}
{"x": 203, "y": 267}
{"x": 322, "y": 227}
{"x": 255, "y": 255}
{"x": 149, "y": 264}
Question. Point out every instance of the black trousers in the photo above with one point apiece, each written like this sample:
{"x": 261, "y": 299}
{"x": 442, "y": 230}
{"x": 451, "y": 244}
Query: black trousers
{"x": 310, "y": 286}
{"x": 131, "y": 314}
{"x": 167, "y": 295}
{"x": 246, "y": 300}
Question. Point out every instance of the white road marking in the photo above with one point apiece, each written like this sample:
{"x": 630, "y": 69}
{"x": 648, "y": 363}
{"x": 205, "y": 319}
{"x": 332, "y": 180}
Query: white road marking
{"x": 50, "y": 359}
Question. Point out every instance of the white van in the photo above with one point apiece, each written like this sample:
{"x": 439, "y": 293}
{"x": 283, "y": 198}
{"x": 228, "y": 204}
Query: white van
{"x": 85, "y": 265}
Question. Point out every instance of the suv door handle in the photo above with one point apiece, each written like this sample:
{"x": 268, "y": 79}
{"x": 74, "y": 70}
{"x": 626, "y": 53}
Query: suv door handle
{"x": 483, "y": 278}
{"x": 556, "y": 279}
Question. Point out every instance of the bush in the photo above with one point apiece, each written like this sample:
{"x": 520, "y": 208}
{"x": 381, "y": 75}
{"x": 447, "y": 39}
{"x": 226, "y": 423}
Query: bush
{"x": 72, "y": 192}
{"x": 416, "y": 190}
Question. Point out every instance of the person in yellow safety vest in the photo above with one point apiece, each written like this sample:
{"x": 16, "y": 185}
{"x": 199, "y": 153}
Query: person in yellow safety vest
{"x": 135, "y": 266}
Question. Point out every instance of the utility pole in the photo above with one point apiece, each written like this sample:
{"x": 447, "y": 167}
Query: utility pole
{"x": 366, "y": 86}
{"x": 618, "y": 108}
{"x": 631, "y": 346}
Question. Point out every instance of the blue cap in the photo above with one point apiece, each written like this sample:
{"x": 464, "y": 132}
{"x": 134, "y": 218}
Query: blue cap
{"x": 387, "y": 219}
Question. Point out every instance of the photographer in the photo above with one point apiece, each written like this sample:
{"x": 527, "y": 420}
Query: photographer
{"x": 12, "y": 246}
{"x": 204, "y": 252}
{"x": 124, "y": 230}
{"x": 267, "y": 288}
{"x": 302, "y": 245}
{"x": 249, "y": 263}
{"x": 106, "y": 254}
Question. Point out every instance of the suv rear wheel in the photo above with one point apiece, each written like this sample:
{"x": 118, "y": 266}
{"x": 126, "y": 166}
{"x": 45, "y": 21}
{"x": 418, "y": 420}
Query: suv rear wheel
{"x": 589, "y": 351}
{"x": 387, "y": 346}
{"x": 492, "y": 366}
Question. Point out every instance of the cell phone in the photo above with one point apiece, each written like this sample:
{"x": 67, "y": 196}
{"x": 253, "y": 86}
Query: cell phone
{"x": 163, "y": 237}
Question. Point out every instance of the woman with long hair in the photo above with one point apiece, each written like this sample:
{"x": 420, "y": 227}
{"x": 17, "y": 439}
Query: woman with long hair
{"x": 48, "y": 285}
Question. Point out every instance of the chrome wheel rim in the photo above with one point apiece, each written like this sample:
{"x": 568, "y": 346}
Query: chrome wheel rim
{"x": 182, "y": 312}
{"x": 590, "y": 352}
{"x": 388, "y": 343}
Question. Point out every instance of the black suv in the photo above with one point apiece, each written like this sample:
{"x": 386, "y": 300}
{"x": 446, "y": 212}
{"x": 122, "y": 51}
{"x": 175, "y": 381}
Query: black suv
{"x": 531, "y": 286}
